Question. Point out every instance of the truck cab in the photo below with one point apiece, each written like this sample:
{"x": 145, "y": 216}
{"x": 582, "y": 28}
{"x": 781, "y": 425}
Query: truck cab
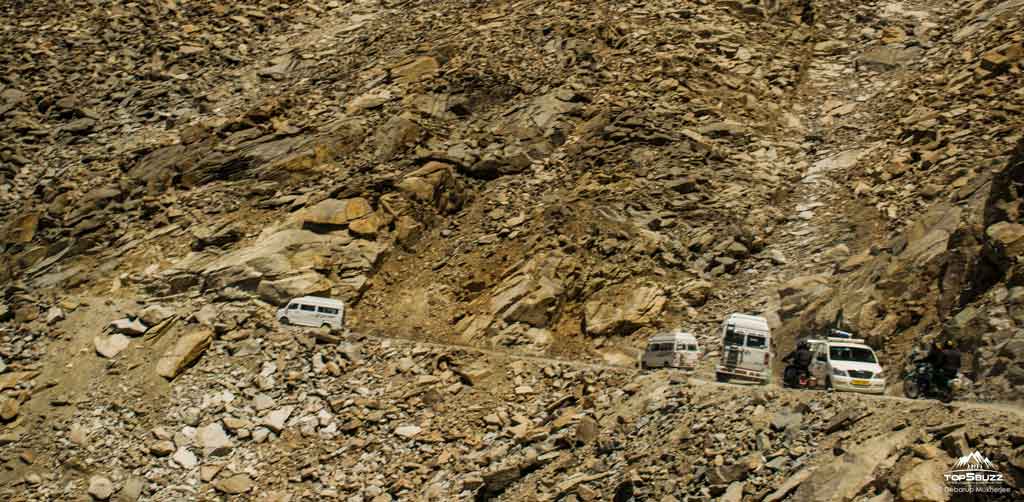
{"x": 746, "y": 349}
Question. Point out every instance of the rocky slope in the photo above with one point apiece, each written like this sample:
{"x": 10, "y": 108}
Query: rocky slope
{"x": 551, "y": 182}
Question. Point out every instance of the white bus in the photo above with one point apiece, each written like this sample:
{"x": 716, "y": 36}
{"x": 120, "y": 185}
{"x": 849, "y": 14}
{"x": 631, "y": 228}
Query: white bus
{"x": 746, "y": 349}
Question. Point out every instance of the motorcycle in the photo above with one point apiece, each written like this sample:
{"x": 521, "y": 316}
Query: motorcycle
{"x": 795, "y": 379}
{"x": 919, "y": 382}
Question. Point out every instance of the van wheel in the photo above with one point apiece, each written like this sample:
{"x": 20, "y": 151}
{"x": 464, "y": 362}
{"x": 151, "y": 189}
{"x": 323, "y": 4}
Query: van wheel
{"x": 828, "y": 383}
{"x": 721, "y": 377}
{"x": 285, "y": 321}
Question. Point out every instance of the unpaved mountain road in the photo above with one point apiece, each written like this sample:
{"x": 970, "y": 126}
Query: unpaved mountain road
{"x": 692, "y": 378}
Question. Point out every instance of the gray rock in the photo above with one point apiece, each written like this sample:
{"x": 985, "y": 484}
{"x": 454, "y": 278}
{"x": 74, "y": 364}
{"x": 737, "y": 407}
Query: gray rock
{"x": 185, "y": 458}
{"x": 785, "y": 418}
{"x": 54, "y": 315}
{"x": 132, "y": 489}
{"x": 408, "y": 431}
{"x": 100, "y": 487}
{"x": 276, "y": 419}
{"x": 262, "y": 402}
{"x": 155, "y": 314}
{"x": 213, "y": 439}
{"x": 109, "y": 346}
{"x": 734, "y": 493}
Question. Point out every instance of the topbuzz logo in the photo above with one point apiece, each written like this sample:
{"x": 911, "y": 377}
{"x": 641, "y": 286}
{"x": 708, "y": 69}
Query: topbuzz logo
{"x": 975, "y": 474}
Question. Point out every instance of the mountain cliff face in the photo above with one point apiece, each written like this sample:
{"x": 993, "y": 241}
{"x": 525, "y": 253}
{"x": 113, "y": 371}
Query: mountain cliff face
{"x": 510, "y": 197}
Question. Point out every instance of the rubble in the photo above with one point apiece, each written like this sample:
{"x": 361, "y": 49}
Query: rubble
{"x": 509, "y": 206}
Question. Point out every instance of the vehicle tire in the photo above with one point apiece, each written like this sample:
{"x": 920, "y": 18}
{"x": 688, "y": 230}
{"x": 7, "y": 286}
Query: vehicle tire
{"x": 828, "y": 383}
{"x": 910, "y": 388}
{"x": 721, "y": 377}
{"x": 643, "y": 366}
{"x": 946, "y": 396}
{"x": 285, "y": 321}
{"x": 788, "y": 377}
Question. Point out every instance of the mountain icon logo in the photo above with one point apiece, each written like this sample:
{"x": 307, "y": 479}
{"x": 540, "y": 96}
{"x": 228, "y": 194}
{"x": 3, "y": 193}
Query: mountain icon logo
{"x": 974, "y": 461}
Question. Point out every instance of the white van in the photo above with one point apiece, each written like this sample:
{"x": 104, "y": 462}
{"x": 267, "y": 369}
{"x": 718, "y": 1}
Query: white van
{"x": 846, "y": 364}
{"x": 313, "y": 311}
{"x": 677, "y": 350}
{"x": 746, "y": 349}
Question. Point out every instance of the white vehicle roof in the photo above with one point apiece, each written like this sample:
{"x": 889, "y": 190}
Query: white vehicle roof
{"x": 748, "y": 322}
{"x": 317, "y": 300}
{"x": 842, "y": 342}
{"x": 678, "y": 336}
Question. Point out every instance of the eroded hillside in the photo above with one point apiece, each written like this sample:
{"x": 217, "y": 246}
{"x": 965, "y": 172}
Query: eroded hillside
{"x": 551, "y": 182}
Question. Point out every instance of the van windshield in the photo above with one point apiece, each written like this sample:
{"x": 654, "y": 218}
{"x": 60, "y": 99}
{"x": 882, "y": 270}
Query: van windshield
{"x": 756, "y": 342}
{"x": 852, "y": 354}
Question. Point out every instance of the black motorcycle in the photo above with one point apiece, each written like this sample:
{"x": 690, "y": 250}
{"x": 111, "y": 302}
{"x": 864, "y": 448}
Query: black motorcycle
{"x": 920, "y": 382}
{"x": 796, "y": 379}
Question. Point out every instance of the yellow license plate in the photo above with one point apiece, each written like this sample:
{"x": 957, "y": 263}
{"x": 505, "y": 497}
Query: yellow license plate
{"x": 860, "y": 382}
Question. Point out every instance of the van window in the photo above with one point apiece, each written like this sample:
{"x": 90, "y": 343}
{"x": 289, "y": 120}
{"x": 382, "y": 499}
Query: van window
{"x": 327, "y": 310}
{"x": 308, "y": 308}
{"x": 294, "y": 306}
{"x": 732, "y": 337}
{"x": 756, "y": 342}
{"x": 691, "y": 347}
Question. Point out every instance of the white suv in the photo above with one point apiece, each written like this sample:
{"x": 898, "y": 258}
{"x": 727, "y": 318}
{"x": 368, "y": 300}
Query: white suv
{"x": 847, "y": 364}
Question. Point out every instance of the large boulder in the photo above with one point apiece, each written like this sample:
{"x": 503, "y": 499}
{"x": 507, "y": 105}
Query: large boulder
{"x": 335, "y": 212}
{"x": 922, "y": 482}
{"x": 279, "y": 291}
{"x": 1008, "y": 236}
{"x": 184, "y": 352}
{"x": 620, "y": 311}
{"x": 20, "y": 229}
{"x": 435, "y": 183}
{"x": 848, "y": 475}
{"x": 532, "y": 293}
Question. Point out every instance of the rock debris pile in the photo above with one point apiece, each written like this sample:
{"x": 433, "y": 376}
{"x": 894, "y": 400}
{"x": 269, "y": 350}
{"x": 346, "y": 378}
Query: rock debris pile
{"x": 509, "y": 197}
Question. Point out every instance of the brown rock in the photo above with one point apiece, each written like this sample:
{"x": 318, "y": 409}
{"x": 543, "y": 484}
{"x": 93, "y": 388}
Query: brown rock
{"x": 1010, "y": 237}
{"x": 21, "y": 229}
{"x": 366, "y": 226}
{"x": 185, "y": 351}
{"x": 625, "y": 312}
{"x": 587, "y": 430}
{"x": 920, "y": 485}
{"x": 9, "y": 409}
{"x": 233, "y": 485}
{"x": 415, "y": 70}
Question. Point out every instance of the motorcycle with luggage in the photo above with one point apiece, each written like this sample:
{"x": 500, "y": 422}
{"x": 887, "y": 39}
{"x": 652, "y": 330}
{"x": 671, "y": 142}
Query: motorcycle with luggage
{"x": 793, "y": 378}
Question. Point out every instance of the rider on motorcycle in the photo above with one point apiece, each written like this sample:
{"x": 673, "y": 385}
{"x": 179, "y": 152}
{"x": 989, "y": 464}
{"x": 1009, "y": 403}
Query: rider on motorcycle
{"x": 935, "y": 360}
{"x": 950, "y": 365}
{"x": 801, "y": 360}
